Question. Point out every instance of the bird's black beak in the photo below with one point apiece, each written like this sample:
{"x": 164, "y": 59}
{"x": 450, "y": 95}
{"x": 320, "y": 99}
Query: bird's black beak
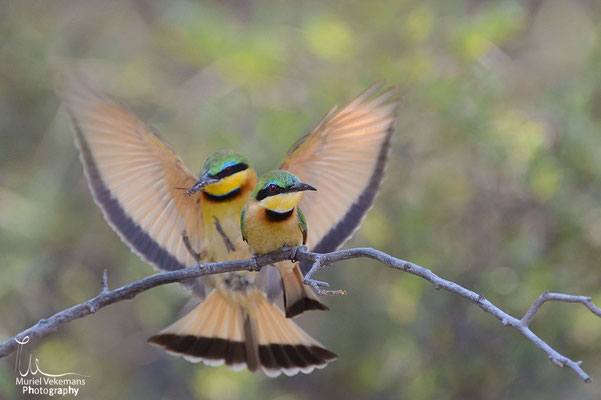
{"x": 203, "y": 181}
{"x": 300, "y": 187}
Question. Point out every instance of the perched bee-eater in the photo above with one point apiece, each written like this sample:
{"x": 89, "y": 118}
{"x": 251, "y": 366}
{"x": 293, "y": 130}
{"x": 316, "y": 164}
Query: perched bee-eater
{"x": 271, "y": 218}
{"x": 139, "y": 184}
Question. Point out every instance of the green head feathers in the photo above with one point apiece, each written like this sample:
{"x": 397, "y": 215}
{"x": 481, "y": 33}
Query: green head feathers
{"x": 219, "y": 162}
{"x": 276, "y": 182}
{"x": 217, "y": 167}
{"x": 283, "y": 179}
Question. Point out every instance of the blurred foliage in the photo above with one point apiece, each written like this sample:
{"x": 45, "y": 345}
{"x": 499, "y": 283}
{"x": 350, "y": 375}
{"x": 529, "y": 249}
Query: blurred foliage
{"x": 494, "y": 182}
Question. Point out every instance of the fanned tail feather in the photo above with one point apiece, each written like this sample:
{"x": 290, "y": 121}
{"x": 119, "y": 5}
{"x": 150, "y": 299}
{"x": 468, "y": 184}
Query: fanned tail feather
{"x": 218, "y": 332}
{"x": 213, "y": 332}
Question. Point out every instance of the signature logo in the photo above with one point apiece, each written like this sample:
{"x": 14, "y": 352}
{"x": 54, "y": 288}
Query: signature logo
{"x": 46, "y": 383}
{"x": 29, "y": 370}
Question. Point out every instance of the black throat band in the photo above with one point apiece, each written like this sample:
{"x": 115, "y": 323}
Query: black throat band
{"x": 275, "y": 216}
{"x": 218, "y": 199}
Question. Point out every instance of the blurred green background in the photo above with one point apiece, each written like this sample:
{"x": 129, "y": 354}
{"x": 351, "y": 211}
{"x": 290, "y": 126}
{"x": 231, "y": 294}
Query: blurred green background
{"x": 494, "y": 182}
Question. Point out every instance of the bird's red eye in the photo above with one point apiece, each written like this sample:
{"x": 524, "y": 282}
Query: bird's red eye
{"x": 227, "y": 170}
{"x": 273, "y": 187}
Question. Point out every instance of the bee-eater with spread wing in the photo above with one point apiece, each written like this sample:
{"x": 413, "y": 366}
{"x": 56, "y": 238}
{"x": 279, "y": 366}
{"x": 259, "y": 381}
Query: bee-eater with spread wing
{"x": 136, "y": 180}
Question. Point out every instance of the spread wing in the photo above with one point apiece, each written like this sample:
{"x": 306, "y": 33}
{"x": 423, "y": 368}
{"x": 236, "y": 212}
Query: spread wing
{"x": 344, "y": 158}
{"x": 134, "y": 177}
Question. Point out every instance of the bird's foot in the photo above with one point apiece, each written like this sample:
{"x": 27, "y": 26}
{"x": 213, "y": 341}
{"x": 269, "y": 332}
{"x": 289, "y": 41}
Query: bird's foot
{"x": 295, "y": 252}
{"x": 254, "y": 265}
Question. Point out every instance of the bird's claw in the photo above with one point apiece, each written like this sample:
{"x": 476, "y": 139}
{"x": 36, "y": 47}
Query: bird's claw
{"x": 295, "y": 252}
{"x": 254, "y": 265}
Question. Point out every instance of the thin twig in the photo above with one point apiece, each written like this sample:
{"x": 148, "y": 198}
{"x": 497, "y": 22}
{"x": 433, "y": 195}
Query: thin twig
{"x": 566, "y": 298}
{"x": 318, "y": 261}
{"x": 104, "y": 285}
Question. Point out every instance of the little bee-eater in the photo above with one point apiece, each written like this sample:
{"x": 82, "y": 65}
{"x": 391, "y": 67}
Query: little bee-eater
{"x": 139, "y": 184}
{"x": 271, "y": 218}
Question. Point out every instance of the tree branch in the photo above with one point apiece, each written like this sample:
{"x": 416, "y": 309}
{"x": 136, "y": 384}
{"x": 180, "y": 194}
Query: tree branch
{"x": 318, "y": 261}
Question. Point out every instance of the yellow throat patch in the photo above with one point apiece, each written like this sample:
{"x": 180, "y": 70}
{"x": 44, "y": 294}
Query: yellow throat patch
{"x": 281, "y": 202}
{"x": 228, "y": 184}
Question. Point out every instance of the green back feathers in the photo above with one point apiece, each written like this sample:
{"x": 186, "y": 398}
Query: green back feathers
{"x": 242, "y": 222}
{"x": 302, "y": 223}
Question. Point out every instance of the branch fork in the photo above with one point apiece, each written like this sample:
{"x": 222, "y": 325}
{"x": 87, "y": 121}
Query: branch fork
{"x": 317, "y": 266}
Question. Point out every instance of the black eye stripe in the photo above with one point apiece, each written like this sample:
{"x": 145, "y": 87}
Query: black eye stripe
{"x": 230, "y": 170}
{"x": 266, "y": 192}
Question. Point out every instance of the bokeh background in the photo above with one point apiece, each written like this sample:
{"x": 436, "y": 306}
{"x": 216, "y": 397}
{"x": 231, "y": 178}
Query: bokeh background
{"x": 494, "y": 182}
